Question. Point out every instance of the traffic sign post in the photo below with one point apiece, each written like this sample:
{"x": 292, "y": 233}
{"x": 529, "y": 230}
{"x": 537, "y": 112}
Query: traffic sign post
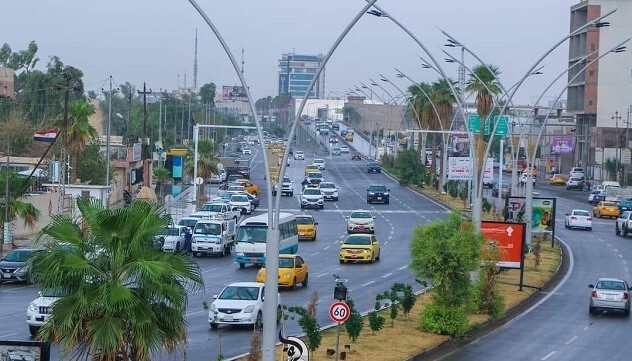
{"x": 339, "y": 313}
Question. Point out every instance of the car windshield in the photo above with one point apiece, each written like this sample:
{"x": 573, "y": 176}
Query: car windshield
{"x": 252, "y": 234}
{"x": 610, "y": 285}
{"x": 208, "y": 228}
{"x": 581, "y": 213}
{"x": 609, "y": 204}
{"x": 286, "y": 263}
{"x": 239, "y": 198}
{"x": 595, "y": 192}
{"x": 327, "y": 185}
{"x": 18, "y": 256}
{"x": 311, "y": 192}
{"x": 314, "y": 175}
{"x": 211, "y": 208}
{"x": 53, "y": 292}
{"x": 239, "y": 293}
{"x": 169, "y": 231}
{"x": 304, "y": 220}
{"x": 377, "y": 188}
{"x": 358, "y": 240}
{"x": 625, "y": 200}
{"x": 287, "y": 180}
{"x": 373, "y": 164}
{"x": 187, "y": 222}
{"x": 361, "y": 215}
{"x": 318, "y": 161}
{"x": 299, "y": 152}
{"x": 235, "y": 188}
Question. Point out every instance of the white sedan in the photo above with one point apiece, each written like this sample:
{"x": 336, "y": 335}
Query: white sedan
{"x": 578, "y": 218}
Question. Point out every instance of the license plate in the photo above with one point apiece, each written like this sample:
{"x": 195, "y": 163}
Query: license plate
{"x": 40, "y": 319}
{"x": 379, "y": 198}
{"x": 610, "y": 297}
{"x": 6, "y": 275}
{"x": 361, "y": 227}
{"x": 253, "y": 260}
{"x": 228, "y": 318}
{"x": 354, "y": 256}
{"x": 301, "y": 233}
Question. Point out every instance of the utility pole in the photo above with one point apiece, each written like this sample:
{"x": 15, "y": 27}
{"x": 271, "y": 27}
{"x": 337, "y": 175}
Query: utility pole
{"x": 64, "y": 139}
{"x": 144, "y": 145}
{"x": 7, "y": 239}
{"x": 107, "y": 147}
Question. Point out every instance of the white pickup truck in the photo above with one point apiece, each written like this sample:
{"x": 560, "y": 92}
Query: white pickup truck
{"x": 212, "y": 209}
{"x": 213, "y": 236}
{"x": 287, "y": 187}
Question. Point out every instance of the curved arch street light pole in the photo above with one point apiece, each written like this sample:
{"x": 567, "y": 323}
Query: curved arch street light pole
{"x": 529, "y": 185}
{"x": 272, "y": 248}
{"x": 379, "y": 12}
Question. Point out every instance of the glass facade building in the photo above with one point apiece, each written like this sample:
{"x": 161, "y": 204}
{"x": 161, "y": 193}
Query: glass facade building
{"x": 297, "y": 71}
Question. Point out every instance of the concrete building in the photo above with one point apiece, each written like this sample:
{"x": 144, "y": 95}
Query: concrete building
{"x": 296, "y": 71}
{"x": 601, "y": 97}
{"x": 7, "y": 83}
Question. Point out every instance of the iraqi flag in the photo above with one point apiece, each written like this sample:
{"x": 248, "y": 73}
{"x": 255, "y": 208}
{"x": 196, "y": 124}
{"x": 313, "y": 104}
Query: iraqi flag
{"x": 46, "y": 135}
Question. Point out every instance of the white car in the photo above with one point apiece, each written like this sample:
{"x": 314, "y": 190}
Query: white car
{"x": 329, "y": 190}
{"x": 344, "y": 149}
{"x": 242, "y": 202}
{"x": 39, "y": 310}
{"x": 246, "y": 151}
{"x": 312, "y": 197}
{"x": 299, "y": 155}
{"x": 239, "y": 303}
{"x": 577, "y": 172}
{"x": 320, "y": 163}
{"x": 188, "y": 222}
{"x": 525, "y": 177}
{"x": 578, "y": 218}
{"x": 172, "y": 238}
{"x": 361, "y": 221}
{"x": 213, "y": 208}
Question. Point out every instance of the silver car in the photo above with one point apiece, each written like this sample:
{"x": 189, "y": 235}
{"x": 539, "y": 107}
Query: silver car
{"x": 610, "y": 294}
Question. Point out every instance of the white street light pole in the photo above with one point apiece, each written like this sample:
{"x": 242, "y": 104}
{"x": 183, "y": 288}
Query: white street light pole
{"x": 107, "y": 148}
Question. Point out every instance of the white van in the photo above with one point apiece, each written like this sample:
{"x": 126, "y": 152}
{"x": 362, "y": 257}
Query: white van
{"x": 609, "y": 184}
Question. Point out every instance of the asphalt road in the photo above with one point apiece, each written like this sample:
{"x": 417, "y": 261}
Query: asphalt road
{"x": 560, "y": 328}
{"x": 394, "y": 225}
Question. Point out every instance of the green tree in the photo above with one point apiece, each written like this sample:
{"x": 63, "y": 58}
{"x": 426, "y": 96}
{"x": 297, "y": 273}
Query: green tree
{"x": 162, "y": 176}
{"x": 484, "y": 77}
{"x": 207, "y": 94}
{"x": 123, "y": 298}
{"x": 376, "y": 321}
{"x": 421, "y": 109}
{"x": 445, "y": 252}
{"x": 207, "y": 162}
{"x": 408, "y": 166}
{"x": 355, "y": 323}
{"x": 488, "y": 297}
{"x": 78, "y": 133}
{"x": 444, "y": 100}
{"x": 91, "y": 165}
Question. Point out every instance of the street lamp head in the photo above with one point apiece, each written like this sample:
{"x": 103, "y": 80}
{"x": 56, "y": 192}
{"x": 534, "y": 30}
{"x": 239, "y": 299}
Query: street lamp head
{"x": 620, "y": 49}
{"x": 425, "y": 66}
{"x": 399, "y": 75}
{"x": 601, "y": 24}
{"x": 451, "y": 45}
{"x": 376, "y": 13}
{"x": 448, "y": 60}
{"x": 384, "y": 79}
{"x": 364, "y": 87}
{"x": 119, "y": 115}
{"x": 374, "y": 83}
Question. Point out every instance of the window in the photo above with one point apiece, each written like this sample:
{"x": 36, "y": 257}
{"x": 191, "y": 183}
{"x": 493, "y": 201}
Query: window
{"x": 592, "y": 47}
{"x": 591, "y": 73}
{"x": 590, "y": 102}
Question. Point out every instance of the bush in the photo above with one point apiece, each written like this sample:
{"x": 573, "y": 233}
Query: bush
{"x": 355, "y": 323}
{"x": 409, "y": 167}
{"x": 376, "y": 321}
{"x": 444, "y": 320}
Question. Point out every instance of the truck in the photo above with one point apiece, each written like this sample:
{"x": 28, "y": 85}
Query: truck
{"x": 243, "y": 167}
{"x": 214, "y": 235}
{"x": 615, "y": 194}
{"x": 229, "y": 165}
{"x": 212, "y": 209}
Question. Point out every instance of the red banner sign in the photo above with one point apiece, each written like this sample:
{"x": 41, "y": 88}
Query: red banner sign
{"x": 510, "y": 238}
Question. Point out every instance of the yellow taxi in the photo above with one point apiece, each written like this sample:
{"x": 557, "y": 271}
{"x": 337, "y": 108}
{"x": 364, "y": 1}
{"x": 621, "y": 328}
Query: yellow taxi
{"x": 558, "y": 179}
{"x": 306, "y": 225}
{"x": 248, "y": 186}
{"x": 359, "y": 247}
{"x": 606, "y": 209}
{"x": 311, "y": 168}
{"x": 292, "y": 271}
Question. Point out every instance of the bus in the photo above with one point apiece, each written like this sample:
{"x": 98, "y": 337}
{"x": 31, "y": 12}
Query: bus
{"x": 250, "y": 247}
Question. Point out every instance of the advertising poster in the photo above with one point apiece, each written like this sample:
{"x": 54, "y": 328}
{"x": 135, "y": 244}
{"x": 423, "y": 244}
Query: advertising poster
{"x": 510, "y": 238}
{"x": 543, "y": 215}
{"x": 460, "y": 168}
{"x": 562, "y": 144}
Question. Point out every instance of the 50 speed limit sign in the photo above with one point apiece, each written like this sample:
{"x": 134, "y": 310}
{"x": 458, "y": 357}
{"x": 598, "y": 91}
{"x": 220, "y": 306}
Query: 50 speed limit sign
{"x": 339, "y": 311}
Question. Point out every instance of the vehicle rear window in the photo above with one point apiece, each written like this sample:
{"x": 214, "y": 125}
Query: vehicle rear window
{"x": 581, "y": 213}
{"x": 611, "y": 285}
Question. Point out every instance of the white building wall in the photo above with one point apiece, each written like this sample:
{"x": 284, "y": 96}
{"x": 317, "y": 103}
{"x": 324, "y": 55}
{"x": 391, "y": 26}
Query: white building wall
{"x": 614, "y": 92}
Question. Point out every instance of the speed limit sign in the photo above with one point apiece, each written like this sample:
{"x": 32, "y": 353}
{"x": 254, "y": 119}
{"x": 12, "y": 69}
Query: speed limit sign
{"x": 339, "y": 311}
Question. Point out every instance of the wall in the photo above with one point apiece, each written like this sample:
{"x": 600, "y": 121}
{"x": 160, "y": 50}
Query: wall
{"x": 47, "y": 204}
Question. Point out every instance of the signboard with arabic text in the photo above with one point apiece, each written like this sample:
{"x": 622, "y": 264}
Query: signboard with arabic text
{"x": 460, "y": 168}
{"x": 510, "y": 238}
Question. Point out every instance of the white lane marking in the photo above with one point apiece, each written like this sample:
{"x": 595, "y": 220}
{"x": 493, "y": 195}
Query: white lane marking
{"x": 213, "y": 269}
{"x": 335, "y": 242}
{"x": 195, "y": 312}
{"x": 571, "y": 340}
{"x": 586, "y": 327}
{"x": 548, "y": 355}
{"x": 321, "y": 275}
{"x": 402, "y": 268}
{"x": 368, "y": 283}
{"x": 315, "y": 253}
{"x": 327, "y": 247}
{"x": 385, "y": 243}
{"x": 620, "y": 255}
{"x": 616, "y": 250}
{"x": 387, "y": 275}
{"x": 8, "y": 335}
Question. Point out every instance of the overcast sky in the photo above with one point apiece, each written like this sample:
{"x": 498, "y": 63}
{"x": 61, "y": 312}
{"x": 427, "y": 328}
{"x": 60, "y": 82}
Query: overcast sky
{"x": 153, "y": 40}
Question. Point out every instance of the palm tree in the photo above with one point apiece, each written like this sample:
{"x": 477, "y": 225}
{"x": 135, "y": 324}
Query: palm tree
{"x": 444, "y": 100}
{"x": 162, "y": 176}
{"x": 207, "y": 163}
{"x": 122, "y": 299}
{"x": 78, "y": 133}
{"x": 17, "y": 207}
{"x": 420, "y": 109}
{"x": 484, "y": 77}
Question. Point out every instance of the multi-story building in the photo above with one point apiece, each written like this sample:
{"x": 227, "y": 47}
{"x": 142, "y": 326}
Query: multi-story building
{"x": 297, "y": 71}
{"x": 600, "y": 97}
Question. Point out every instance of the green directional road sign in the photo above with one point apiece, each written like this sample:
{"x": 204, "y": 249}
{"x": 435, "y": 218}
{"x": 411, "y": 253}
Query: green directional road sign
{"x": 474, "y": 123}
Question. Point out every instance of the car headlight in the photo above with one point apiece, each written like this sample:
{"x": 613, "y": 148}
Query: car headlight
{"x": 249, "y": 309}
{"x": 366, "y": 251}
{"x": 213, "y": 308}
{"x": 33, "y": 307}
{"x": 371, "y": 193}
{"x": 385, "y": 193}
{"x": 239, "y": 254}
{"x": 287, "y": 275}
{"x": 22, "y": 269}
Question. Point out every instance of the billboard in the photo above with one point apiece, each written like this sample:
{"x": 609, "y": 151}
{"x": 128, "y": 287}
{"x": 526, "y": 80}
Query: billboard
{"x": 510, "y": 238}
{"x": 542, "y": 217}
{"x": 562, "y": 144}
{"x": 234, "y": 93}
{"x": 460, "y": 168}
